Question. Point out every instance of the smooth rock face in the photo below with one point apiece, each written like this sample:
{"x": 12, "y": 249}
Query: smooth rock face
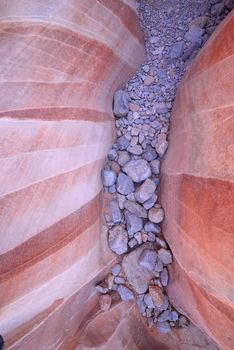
{"x": 197, "y": 189}
{"x": 63, "y": 61}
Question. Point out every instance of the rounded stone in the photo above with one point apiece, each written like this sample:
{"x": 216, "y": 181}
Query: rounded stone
{"x": 156, "y": 215}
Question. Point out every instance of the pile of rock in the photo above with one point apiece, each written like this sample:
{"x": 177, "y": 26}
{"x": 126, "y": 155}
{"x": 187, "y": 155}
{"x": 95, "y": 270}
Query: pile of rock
{"x": 174, "y": 32}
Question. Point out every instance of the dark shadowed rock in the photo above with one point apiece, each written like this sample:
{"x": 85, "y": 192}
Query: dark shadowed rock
{"x": 120, "y": 103}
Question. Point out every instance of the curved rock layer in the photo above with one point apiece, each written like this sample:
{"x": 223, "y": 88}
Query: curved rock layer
{"x": 198, "y": 190}
{"x": 61, "y": 63}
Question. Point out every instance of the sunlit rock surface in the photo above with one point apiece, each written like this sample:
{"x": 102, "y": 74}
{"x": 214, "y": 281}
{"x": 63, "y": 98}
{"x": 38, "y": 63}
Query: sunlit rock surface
{"x": 61, "y": 62}
{"x": 197, "y": 190}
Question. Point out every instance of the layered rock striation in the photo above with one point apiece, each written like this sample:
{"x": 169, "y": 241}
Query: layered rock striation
{"x": 197, "y": 190}
{"x": 61, "y": 63}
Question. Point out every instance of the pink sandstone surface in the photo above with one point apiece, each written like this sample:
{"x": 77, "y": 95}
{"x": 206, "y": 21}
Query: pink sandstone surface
{"x": 198, "y": 191}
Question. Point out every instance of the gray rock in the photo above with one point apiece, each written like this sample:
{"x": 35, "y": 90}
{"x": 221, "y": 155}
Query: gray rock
{"x": 135, "y": 209}
{"x": 174, "y": 316}
{"x": 165, "y": 256}
{"x": 148, "y": 259}
{"x": 138, "y": 277}
{"x": 141, "y": 304}
{"x": 194, "y": 34}
{"x": 119, "y": 280}
{"x": 112, "y": 189}
{"x": 151, "y": 237}
{"x": 122, "y": 143}
{"x": 164, "y": 277}
{"x": 125, "y": 293}
{"x": 118, "y": 240}
{"x": 145, "y": 191}
{"x": 113, "y": 154}
{"x": 160, "y": 107}
{"x": 132, "y": 243}
{"x": 133, "y": 223}
{"x": 123, "y": 158}
{"x": 149, "y": 154}
{"x": 121, "y": 199}
{"x": 163, "y": 327}
{"x": 151, "y": 227}
{"x": 190, "y": 50}
{"x": 155, "y": 166}
{"x": 125, "y": 185}
{"x": 161, "y": 147}
{"x": 137, "y": 150}
{"x": 102, "y": 288}
{"x": 158, "y": 266}
{"x": 183, "y": 321}
{"x": 138, "y": 170}
{"x": 108, "y": 177}
{"x": 120, "y": 103}
{"x": 115, "y": 211}
{"x": 199, "y": 21}
{"x": 177, "y": 50}
{"x": 164, "y": 316}
{"x": 148, "y": 301}
{"x": 217, "y": 9}
{"x": 156, "y": 215}
{"x": 150, "y": 202}
{"x": 116, "y": 269}
{"x": 161, "y": 243}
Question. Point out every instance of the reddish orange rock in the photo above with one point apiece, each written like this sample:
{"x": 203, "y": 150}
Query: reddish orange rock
{"x": 197, "y": 190}
{"x": 156, "y": 295}
{"x": 105, "y": 302}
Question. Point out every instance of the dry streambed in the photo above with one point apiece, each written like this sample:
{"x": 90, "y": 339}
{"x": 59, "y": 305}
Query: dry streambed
{"x": 174, "y": 33}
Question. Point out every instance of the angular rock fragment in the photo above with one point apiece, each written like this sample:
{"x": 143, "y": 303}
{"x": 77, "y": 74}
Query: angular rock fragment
{"x": 149, "y": 301}
{"x": 105, "y": 302}
{"x": 150, "y": 202}
{"x": 138, "y": 170}
{"x": 125, "y": 293}
{"x": 164, "y": 277}
{"x": 145, "y": 191}
{"x": 122, "y": 143}
{"x": 163, "y": 327}
{"x": 115, "y": 211}
{"x": 108, "y": 177}
{"x": 156, "y": 295}
{"x": 123, "y": 158}
{"x": 133, "y": 223}
{"x": 102, "y": 288}
{"x": 155, "y": 166}
{"x": 135, "y": 209}
{"x": 125, "y": 185}
{"x": 116, "y": 269}
{"x": 120, "y": 103}
{"x": 137, "y": 276}
{"x": 165, "y": 256}
{"x": 177, "y": 50}
{"x": 148, "y": 259}
{"x": 118, "y": 240}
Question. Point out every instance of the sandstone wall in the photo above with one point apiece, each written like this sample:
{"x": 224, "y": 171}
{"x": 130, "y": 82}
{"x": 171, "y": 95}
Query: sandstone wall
{"x": 61, "y": 62}
{"x": 197, "y": 190}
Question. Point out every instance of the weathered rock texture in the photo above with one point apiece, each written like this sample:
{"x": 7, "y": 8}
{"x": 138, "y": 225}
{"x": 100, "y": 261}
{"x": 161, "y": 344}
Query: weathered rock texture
{"x": 61, "y": 63}
{"x": 198, "y": 191}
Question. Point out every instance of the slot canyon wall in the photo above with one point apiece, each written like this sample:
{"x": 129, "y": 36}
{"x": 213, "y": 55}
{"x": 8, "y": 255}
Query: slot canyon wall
{"x": 61, "y": 62}
{"x": 197, "y": 189}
